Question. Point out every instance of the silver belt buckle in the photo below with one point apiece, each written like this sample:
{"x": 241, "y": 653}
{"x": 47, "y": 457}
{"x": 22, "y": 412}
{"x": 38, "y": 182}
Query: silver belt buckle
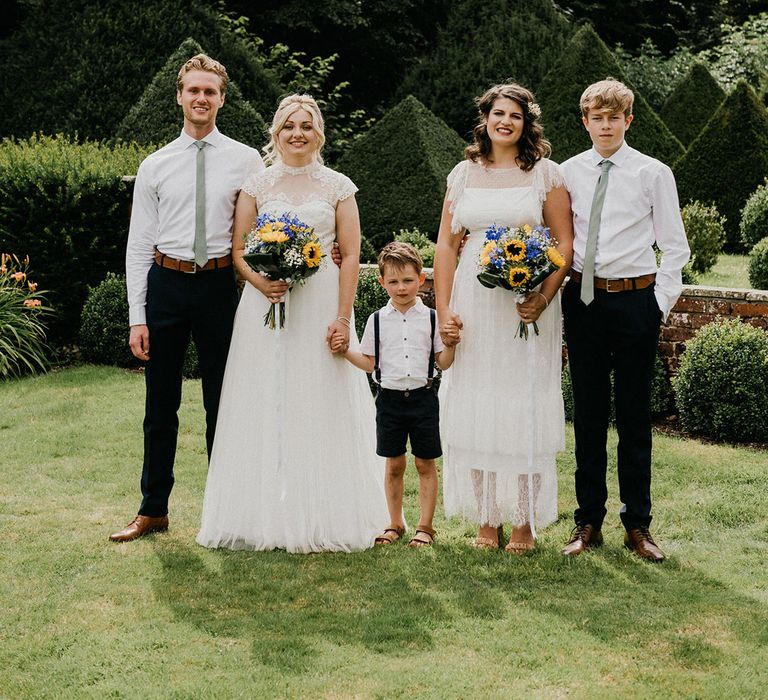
{"x": 608, "y": 285}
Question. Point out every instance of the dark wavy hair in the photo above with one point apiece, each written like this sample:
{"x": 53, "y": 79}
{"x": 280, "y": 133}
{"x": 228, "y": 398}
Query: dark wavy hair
{"x": 532, "y": 145}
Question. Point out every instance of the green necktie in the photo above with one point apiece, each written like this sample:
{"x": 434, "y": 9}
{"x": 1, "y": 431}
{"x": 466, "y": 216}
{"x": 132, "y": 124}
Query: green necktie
{"x": 201, "y": 246}
{"x": 588, "y": 269}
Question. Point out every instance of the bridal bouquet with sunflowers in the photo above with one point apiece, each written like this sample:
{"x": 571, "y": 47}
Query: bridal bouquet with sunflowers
{"x": 282, "y": 248}
{"x": 518, "y": 259}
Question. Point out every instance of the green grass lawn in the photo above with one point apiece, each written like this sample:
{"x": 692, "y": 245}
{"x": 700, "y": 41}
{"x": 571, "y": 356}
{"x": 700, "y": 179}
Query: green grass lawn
{"x": 729, "y": 271}
{"x": 163, "y": 617}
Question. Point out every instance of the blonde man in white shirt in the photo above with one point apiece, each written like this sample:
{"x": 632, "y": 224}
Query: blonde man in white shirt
{"x": 181, "y": 282}
{"x": 400, "y": 346}
{"x": 623, "y": 203}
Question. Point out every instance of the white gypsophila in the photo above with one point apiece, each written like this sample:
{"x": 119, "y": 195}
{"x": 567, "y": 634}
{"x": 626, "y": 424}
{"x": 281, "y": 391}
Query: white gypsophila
{"x": 294, "y": 258}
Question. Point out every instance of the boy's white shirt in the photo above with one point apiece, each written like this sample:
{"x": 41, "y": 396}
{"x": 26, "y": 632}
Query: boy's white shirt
{"x": 404, "y": 345}
{"x": 641, "y": 207}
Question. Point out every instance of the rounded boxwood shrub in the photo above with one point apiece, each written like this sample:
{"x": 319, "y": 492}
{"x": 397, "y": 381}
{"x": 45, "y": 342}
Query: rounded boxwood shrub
{"x": 705, "y": 229}
{"x": 104, "y": 328}
{"x": 722, "y": 384}
{"x": 758, "y": 265}
{"x": 421, "y": 242}
{"x": 371, "y": 296}
{"x": 104, "y": 324}
{"x": 754, "y": 217}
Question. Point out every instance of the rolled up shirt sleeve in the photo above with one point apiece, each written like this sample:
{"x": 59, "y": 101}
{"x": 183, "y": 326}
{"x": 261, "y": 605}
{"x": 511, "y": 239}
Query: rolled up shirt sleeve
{"x": 142, "y": 238}
{"x": 670, "y": 238}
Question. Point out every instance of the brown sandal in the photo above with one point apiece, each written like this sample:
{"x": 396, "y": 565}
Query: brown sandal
{"x": 519, "y": 548}
{"x": 487, "y": 542}
{"x": 386, "y": 538}
{"x": 424, "y": 530}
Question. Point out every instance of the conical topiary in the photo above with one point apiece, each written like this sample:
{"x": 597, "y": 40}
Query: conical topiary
{"x": 521, "y": 41}
{"x": 728, "y": 159}
{"x": 584, "y": 61}
{"x": 156, "y": 118}
{"x": 400, "y": 166}
{"x": 692, "y": 103}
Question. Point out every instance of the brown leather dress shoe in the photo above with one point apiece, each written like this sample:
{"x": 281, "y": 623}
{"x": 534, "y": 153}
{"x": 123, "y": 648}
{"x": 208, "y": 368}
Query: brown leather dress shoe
{"x": 583, "y": 537}
{"x": 140, "y": 526}
{"x": 639, "y": 540}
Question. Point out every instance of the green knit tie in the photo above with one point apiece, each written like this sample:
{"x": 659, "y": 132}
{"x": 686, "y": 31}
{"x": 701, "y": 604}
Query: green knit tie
{"x": 201, "y": 246}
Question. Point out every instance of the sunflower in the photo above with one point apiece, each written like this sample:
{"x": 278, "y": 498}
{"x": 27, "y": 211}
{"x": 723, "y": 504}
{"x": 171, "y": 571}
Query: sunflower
{"x": 555, "y": 257}
{"x": 514, "y": 250}
{"x": 312, "y": 254}
{"x": 518, "y": 276}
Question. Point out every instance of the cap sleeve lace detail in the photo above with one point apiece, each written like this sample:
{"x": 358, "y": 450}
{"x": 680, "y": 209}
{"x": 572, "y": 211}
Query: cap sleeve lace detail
{"x": 547, "y": 176}
{"x": 457, "y": 181}
{"x": 344, "y": 187}
{"x": 257, "y": 183}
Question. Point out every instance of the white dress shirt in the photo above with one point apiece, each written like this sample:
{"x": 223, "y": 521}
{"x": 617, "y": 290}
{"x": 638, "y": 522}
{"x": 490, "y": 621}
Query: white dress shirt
{"x": 404, "y": 345}
{"x": 641, "y": 208}
{"x": 163, "y": 212}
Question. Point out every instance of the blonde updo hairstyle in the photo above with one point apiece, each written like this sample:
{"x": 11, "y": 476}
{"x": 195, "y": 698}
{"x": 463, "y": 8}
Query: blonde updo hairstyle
{"x": 288, "y": 106}
{"x": 532, "y": 145}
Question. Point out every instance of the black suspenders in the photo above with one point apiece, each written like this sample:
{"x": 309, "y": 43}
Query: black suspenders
{"x": 377, "y": 356}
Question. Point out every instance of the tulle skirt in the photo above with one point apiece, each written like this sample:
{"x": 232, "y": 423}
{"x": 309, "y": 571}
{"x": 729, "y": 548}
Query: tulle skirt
{"x": 294, "y": 463}
{"x": 502, "y": 407}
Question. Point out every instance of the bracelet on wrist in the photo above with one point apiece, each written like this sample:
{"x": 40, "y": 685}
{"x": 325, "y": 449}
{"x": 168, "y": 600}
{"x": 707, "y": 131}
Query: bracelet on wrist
{"x": 543, "y": 296}
{"x": 344, "y": 320}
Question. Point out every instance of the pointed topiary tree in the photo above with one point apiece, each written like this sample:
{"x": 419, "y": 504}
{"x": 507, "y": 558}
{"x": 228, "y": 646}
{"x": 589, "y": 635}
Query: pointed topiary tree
{"x": 400, "y": 166}
{"x": 519, "y": 40}
{"x": 586, "y": 60}
{"x": 692, "y": 103}
{"x": 728, "y": 160}
{"x": 156, "y": 118}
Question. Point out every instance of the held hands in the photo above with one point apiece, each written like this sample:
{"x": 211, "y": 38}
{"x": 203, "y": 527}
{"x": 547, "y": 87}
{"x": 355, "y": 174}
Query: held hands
{"x": 532, "y": 307}
{"x": 450, "y": 328}
{"x": 337, "y": 336}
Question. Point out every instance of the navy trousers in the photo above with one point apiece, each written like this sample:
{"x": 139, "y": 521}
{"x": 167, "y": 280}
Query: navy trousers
{"x": 619, "y": 332}
{"x": 179, "y": 306}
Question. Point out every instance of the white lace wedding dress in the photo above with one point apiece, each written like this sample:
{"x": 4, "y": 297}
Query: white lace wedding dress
{"x": 501, "y": 403}
{"x": 294, "y": 463}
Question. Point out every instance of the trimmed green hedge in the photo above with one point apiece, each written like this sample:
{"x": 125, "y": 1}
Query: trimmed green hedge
{"x": 65, "y": 206}
{"x": 728, "y": 160}
{"x": 79, "y": 66}
{"x": 706, "y": 234}
{"x": 518, "y": 40}
{"x": 692, "y": 103}
{"x": 400, "y": 166}
{"x": 157, "y": 119}
{"x": 585, "y": 60}
{"x": 754, "y": 217}
{"x": 758, "y": 265}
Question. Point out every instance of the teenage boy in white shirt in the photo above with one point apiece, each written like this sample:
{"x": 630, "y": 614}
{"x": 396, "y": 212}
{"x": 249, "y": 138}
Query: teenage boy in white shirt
{"x": 180, "y": 276}
{"x": 407, "y": 406}
{"x": 623, "y": 203}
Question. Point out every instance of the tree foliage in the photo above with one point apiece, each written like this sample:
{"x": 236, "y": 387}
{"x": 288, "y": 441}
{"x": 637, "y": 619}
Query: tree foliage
{"x": 586, "y": 60}
{"x": 156, "y": 118}
{"x": 692, "y": 104}
{"x": 400, "y": 166}
{"x": 79, "y": 66}
{"x": 483, "y": 44}
{"x": 728, "y": 160}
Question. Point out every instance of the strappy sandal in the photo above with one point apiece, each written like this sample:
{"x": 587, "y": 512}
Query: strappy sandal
{"x": 487, "y": 542}
{"x": 424, "y": 530}
{"x": 519, "y": 548}
{"x": 390, "y": 535}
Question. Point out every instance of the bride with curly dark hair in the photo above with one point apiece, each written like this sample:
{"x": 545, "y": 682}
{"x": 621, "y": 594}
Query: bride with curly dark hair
{"x": 502, "y": 408}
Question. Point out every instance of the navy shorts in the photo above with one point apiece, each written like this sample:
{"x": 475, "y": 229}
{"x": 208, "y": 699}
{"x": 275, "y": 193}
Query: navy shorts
{"x": 415, "y": 416}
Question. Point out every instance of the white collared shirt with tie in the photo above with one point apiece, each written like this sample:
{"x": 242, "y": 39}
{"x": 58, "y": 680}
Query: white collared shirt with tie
{"x": 163, "y": 212}
{"x": 404, "y": 345}
{"x": 641, "y": 208}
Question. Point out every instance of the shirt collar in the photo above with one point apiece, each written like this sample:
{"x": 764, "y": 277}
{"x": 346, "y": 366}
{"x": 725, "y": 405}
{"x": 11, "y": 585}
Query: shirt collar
{"x": 212, "y": 139}
{"x": 618, "y": 158}
{"x": 418, "y": 307}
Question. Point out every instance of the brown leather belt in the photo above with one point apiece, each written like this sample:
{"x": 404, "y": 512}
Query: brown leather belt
{"x": 189, "y": 266}
{"x": 625, "y": 284}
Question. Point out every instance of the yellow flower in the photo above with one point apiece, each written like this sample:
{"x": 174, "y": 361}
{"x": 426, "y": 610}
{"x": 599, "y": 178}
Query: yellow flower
{"x": 518, "y": 276}
{"x": 514, "y": 250}
{"x": 273, "y": 233}
{"x": 312, "y": 254}
{"x": 526, "y": 228}
{"x": 32, "y": 286}
{"x": 555, "y": 257}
